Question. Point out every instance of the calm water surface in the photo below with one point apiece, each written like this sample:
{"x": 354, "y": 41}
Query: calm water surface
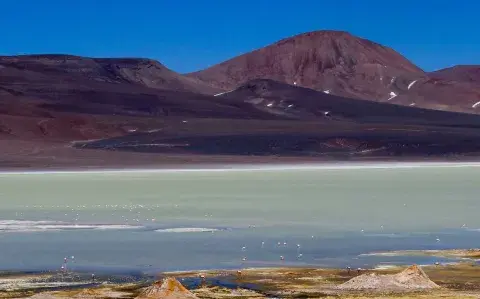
{"x": 151, "y": 221}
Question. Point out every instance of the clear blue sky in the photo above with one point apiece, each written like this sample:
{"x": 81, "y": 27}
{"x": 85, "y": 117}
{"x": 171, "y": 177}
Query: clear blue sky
{"x": 188, "y": 35}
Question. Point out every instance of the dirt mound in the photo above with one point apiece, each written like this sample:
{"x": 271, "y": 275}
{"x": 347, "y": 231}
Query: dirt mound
{"x": 411, "y": 279}
{"x": 169, "y": 288}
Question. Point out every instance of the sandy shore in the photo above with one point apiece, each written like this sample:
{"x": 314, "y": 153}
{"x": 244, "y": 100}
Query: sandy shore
{"x": 465, "y": 254}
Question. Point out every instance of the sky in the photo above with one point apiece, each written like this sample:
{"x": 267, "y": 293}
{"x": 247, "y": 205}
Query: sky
{"x": 189, "y": 35}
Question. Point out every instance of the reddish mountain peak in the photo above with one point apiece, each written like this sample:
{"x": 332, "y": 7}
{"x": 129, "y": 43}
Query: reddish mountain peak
{"x": 336, "y": 61}
{"x": 348, "y": 50}
{"x": 318, "y": 34}
{"x": 322, "y": 36}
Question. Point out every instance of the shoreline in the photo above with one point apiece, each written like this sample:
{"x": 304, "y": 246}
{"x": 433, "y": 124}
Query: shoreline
{"x": 458, "y": 256}
{"x": 250, "y": 167}
{"x": 137, "y": 273}
{"x": 461, "y": 280}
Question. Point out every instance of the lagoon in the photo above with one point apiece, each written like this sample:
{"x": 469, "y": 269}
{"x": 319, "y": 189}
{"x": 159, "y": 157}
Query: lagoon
{"x": 322, "y": 216}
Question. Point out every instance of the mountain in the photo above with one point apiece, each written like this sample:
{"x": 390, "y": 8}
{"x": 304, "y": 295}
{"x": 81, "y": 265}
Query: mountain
{"x": 67, "y": 69}
{"x": 331, "y": 61}
{"x": 460, "y": 73}
{"x": 339, "y": 63}
{"x": 439, "y": 93}
{"x": 310, "y": 123}
{"x": 452, "y": 89}
{"x": 61, "y": 97}
{"x": 301, "y": 103}
{"x": 39, "y": 85}
{"x": 319, "y": 95}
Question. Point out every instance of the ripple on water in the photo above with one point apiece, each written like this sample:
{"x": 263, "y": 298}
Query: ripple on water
{"x": 42, "y": 226}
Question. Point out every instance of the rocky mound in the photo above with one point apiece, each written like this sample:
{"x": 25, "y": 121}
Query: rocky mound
{"x": 411, "y": 279}
{"x": 170, "y": 288}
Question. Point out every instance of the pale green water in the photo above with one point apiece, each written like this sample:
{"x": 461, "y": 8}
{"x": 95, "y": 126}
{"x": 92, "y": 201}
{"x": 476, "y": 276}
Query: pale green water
{"x": 283, "y": 205}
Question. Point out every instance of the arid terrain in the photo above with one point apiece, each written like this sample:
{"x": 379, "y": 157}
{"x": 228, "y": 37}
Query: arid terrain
{"x": 318, "y": 96}
{"x": 441, "y": 281}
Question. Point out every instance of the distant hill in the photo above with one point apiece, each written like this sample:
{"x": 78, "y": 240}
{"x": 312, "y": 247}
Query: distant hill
{"x": 461, "y": 73}
{"x": 57, "y": 96}
{"x": 56, "y": 68}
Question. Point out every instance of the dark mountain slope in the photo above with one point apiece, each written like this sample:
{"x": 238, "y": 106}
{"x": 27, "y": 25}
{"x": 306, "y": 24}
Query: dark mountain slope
{"x": 325, "y": 126}
{"x": 78, "y": 70}
{"x": 302, "y": 103}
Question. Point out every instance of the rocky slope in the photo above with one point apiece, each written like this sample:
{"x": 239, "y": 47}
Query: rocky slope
{"x": 442, "y": 94}
{"x": 460, "y": 73}
{"x": 331, "y": 61}
{"x": 65, "y": 97}
{"x": 339, "y": 63}
{"x": 312, "y": 95}
{"x": 301, "y": 103}
{"x": 73, "y": 70}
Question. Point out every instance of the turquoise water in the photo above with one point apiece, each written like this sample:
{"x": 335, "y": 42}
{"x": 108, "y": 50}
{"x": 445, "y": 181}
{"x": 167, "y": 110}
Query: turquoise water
{"x": 174, "y": 220}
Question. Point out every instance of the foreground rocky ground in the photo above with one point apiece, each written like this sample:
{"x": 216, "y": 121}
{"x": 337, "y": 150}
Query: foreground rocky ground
{"x": 440, "y": 281}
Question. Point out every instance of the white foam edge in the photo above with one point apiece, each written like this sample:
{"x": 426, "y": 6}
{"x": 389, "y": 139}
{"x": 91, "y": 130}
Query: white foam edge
{"x": 277, "y": 167}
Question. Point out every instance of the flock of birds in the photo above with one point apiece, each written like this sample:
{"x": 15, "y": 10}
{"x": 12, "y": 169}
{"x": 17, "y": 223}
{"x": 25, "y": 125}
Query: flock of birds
{"x": 279, "y": 244}
{"x": 131, "y": 213}
{"x": 299, "y": 246}
{"x": 64, "y": 267}
{"x": 137, "y": 213}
